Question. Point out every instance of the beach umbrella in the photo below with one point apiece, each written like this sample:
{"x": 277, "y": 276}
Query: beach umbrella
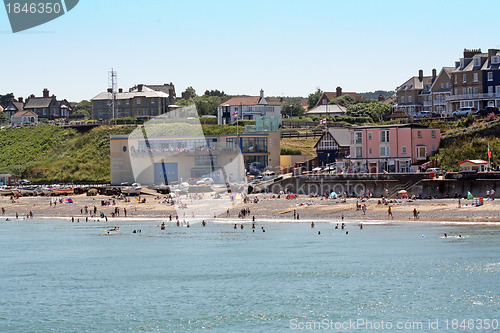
{"x": 68, "y": 200}
{"x": 402, "y": 192}
{"x": 469, "y": 195}
{"x": 333, "y": 195}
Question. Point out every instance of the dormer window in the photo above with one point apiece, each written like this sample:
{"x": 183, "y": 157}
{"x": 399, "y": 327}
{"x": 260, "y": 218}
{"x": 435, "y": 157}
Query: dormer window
{"x": 410, "y": 86}
{"x": 461, "y": 63}
{"x": 477, "y": 61}
{"x": 495, "y": 60}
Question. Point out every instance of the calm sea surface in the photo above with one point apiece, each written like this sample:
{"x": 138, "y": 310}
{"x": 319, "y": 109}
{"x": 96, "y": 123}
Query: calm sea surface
{"x": 58, "y": 276}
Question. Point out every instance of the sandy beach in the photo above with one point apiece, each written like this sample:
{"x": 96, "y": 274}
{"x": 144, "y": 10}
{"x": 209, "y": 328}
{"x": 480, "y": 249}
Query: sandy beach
{"x": 306, "y": 209}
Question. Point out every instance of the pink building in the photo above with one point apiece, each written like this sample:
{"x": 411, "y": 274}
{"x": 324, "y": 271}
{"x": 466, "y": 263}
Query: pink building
{"x": 392, "y": 148}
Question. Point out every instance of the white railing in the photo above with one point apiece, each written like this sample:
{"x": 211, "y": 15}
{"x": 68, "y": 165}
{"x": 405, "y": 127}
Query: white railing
{"x": 472, "y": 96}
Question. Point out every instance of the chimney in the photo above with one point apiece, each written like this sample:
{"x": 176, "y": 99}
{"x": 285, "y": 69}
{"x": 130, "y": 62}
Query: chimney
{"x": 262, "y": 93}
{"x": 120, "y": 90}
{"x": 45, "y": 92}
{"x": 420, "y": 74}
{"x": 471, "y": 53}
{"x": 32, "y": 96}
{"x": 492, "y": 52}
{"x": 339, "y": 92}
{"x": 110, "y": 90}
{"x": 434, "y": 75}
{"x": 139, "y": 87}
{"x": 457, "y": 64}
{"x": 20, "y": 99}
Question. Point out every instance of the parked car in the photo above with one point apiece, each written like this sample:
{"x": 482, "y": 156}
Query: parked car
{"x": 423, "y": 114}
{"x": 487, "y": 110}
{"x": 463, "y": 112}
{"x": 192, "y": 181}
{"x": 205, "y": 181}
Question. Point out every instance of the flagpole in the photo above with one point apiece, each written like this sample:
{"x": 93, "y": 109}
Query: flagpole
{"x": 489, "y": 154}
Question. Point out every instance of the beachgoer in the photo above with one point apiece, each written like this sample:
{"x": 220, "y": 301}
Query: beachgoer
{"x": 235, "y": 226}
{"x": 242, "y": 226}
{"x": 298, "y": 217}
{"x": 364, "y": 209}
{"x": 389, "y": 212}
{"x": 361, "y": 226}
{"x": 312, "y": 224}
{"x": 445, "y": 235}
{"x": 337, "y": 226}
{"x": 319, "y": 232}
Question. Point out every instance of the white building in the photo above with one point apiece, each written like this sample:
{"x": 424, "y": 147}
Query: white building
{"x": 248, "y": 108}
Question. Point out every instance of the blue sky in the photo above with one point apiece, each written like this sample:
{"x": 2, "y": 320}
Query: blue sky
{"x": 284, "y": 47}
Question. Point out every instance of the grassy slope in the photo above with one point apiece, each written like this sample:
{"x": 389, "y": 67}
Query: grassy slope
{"x": 305, "y": 145}
{"x": 53, "y": 153}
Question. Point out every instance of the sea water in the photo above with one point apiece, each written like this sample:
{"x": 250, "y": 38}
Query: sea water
{"x": 58, "y": 276}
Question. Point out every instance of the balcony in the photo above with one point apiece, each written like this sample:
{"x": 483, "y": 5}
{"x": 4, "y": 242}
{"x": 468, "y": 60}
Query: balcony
{"x": 472, "y": 96}
{"x": 167, "y": 151}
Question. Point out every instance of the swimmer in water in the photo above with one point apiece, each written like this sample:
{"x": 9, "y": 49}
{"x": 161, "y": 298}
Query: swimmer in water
{"x": 235, "y": 227}
{"x": 445, "y": 235}
{"x": 312, "y": 224}
{"x": 319, "y": 232}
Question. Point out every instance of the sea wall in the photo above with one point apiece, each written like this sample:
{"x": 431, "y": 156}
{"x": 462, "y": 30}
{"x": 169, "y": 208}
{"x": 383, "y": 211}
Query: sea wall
{"x": 454, "y": 185}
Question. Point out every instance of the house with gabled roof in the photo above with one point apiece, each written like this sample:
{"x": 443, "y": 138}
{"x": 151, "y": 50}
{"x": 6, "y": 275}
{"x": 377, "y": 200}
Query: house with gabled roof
{"x": 248, "y": 108}
{"x": 414, "y": 95}
{"x": 333, "y": 145}
{"x": 45, "y": 107}
{"x": 440, "y": 91}
{"x": 328, "y": 96}
{"x": 13, "y": 107}
{"x": 24, "y": 118}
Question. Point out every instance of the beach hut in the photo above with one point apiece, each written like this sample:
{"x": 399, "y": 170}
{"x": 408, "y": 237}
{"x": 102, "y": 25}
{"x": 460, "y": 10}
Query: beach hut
{"x": 474, "y": 165}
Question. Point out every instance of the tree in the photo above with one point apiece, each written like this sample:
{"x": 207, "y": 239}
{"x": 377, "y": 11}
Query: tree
{"x": 215, "y": 92}
{"x": 375, "y": 110}
{"x": 83, "y": 107}
{"x": 292, "y": 107}
{"x": 5, "y": 99}
{"x": 189, "y": 93}
{"x": 313, "y": 98}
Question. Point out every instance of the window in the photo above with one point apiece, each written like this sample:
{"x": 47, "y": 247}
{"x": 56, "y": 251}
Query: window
{"x": 409, "y": 99}
{"x": 359, "y": 137}
{"x": 476, "y": 77}
{"x": 433, "y": 134}
{"x": 455, "y": 79}
{"x": 323, "y": 101}
{"x": 495, "y": 60}
{"x": 385, "y": 151}
{"x": 476, "y": 91}
{"x": 138, "y": 101}
{"x": 127, "y": 102}
{"x": 421, "y": 152}
{"x": 359, "y": 152}
{"x": 433, "y": 148}
{"x": 152, "y": 101}
{"x": 464, "y": 78}
{"x": 254, "y": 145}
{"x": 119, "y": 103}
{"x": 419, "y": 134}
{"x": 497, "y": 90}
{"x": 490, "y": 90}
{"x": 477, "y": 61}
{"x": 464, "y": 91}
{"x": 403, "y": 150}
{"x": 442, "y": 85}
{"x": 369, "y": 136}
{"x": 369, "y": 151}
{"x": 402, "y": 99}
{"x": 447, "y": 84}
{"x": 490, "y": 76}
{"x": 384, "y": 136}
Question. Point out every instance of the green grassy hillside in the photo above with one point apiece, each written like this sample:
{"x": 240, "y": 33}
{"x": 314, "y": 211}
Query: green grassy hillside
{"x": 52, "y": 153}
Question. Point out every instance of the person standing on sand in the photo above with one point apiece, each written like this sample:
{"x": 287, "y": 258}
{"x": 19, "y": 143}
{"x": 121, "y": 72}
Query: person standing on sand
{"x": 3, "y": 211}
{"x": 364, "y": 209}
{"x": 459, "y": 205}
{"x": 389, "y": 212}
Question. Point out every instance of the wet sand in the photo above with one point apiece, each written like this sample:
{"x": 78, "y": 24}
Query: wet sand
{"x": 307, "y": 209}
